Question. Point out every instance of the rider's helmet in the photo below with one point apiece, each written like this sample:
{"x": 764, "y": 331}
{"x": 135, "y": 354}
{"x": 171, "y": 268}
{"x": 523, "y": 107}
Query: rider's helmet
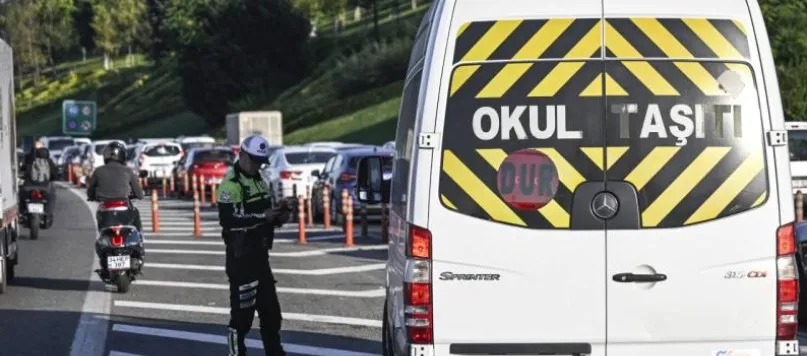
{"x": 115, "y": 151}
{"x": 256, "y": 148}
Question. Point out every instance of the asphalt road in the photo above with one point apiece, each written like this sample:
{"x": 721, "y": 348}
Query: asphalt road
{"x": 331, "y": 296}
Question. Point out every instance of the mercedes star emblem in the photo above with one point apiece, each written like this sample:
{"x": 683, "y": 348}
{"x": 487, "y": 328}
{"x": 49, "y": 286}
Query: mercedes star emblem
{"x": 605, "y": 205}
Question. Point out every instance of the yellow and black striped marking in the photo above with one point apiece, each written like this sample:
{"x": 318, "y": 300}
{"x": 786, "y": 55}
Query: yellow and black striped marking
{"x": 595, "y": 119}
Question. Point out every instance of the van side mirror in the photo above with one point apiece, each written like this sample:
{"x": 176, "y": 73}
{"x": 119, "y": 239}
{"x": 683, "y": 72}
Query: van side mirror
{"x": 371, "y": 188}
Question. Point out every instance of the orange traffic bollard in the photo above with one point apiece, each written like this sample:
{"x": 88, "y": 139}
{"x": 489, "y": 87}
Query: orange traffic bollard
{"x": 345, "y": 196}
{"x": 384, "y": 223}
{"x": 326, "y": 207}
{"x": 197, "y": 216}
{"x": 309, "y": 208}
{"x": 171, "y": 185}
{"x": 70, "y": 173}
{"x": 185, "y": 183}
{"x": 155, "y": 212}
{"x": 195, "y": 184}
{"x": 213, "y": 189}
{"x": 301, "y": 220}
{"x": 202, "y": 186}
{"x": 165, "y": 188}
{"x": 349, "y": 223}
{"x": 799, "y": 206}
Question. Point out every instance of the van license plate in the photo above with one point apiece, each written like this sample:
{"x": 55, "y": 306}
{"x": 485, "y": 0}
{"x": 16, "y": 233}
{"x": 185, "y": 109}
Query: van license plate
{"x": 36, "y": 208}
{"x": 118, "y": 262}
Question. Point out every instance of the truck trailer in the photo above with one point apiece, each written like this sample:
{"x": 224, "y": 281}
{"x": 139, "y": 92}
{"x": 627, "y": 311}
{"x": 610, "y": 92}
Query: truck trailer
{"x": 9, "y": 187}
{"x": 268, "y": 124}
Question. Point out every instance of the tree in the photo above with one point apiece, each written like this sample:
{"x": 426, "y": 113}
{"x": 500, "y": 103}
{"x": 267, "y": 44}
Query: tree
{"x": 20, "y": 20}
{"x": 107, "y": 37}
{"x": 131, "y": 20}
{"x": 82, "y": 21}
{"x": 160, "y": 40}
{"x": 370, "y": 5}
{"x": 55, "y": 26}
{"x": 228, "y": 49}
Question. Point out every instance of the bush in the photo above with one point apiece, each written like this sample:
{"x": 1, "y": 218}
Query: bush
{"x": 376, "y": 65}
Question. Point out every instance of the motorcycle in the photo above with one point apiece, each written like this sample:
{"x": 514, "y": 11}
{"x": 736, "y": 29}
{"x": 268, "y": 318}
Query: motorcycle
{"x": 34, "y": 213}
{"x": 119, "y": 245}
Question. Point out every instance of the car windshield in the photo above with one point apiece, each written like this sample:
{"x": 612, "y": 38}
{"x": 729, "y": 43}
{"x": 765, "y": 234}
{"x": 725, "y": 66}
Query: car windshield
{"x": 309, "y": 157}
{"x": 797, "y": 141}
{"x": 188, "y": 146}
{"x": 99, "y": 148}
{"x": 214, "y": 156}
{"x": 60, "y": 144}
{"x": 161, "y": 151}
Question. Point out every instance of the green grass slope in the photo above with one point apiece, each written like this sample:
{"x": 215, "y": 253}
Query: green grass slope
{"x": 130, "y": 99}
{"x": 352, "y": 95}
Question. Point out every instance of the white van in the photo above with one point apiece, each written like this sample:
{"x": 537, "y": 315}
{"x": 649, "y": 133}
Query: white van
{"x": 591, "y": 177}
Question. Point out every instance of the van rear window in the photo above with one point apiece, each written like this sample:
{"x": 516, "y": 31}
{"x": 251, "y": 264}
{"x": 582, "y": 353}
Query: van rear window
{"x": 686, "y": 135}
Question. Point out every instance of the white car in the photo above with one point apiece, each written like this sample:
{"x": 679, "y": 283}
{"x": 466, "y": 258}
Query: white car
{"x": 289, "y": 169}
{"x": 590, "y": 177}
{"x": 95, "y": 153}
{"x": 188, "y": 142}
{"x": 156, "y": 160}
{"x": 57, "y": 144}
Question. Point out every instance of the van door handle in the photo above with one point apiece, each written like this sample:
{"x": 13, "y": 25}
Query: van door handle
{"x": 639, "y": 278}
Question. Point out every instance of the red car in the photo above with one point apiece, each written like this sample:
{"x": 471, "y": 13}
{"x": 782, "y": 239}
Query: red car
{"x": 211, "y": 163}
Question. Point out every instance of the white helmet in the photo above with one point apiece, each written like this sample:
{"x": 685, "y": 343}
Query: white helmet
{"x": 257, "y": 148}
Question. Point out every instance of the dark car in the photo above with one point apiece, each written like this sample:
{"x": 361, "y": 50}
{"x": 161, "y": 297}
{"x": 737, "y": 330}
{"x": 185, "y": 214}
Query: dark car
{"x": 339, "y": 174}
{"x": 801, "y": 262}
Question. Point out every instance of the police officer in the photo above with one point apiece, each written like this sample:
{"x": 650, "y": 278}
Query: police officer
{"x": 248, "y": 218}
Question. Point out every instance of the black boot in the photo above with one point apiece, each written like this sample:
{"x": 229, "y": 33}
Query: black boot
{"x": 271, "y": 343}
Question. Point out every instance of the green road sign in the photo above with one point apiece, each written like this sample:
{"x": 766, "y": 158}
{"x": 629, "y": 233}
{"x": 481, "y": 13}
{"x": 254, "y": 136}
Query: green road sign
{"x": 78, "y": 117}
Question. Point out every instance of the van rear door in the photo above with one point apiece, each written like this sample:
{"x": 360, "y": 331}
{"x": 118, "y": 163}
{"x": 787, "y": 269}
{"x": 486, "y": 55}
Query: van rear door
{"x": 695, "y": 274}
{"x": 514, "y": 267}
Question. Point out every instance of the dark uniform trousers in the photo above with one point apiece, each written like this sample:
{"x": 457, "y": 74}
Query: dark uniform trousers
{"x": 252, "y": 287}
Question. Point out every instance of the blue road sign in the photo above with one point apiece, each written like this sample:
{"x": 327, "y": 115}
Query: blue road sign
{"x": 78, "y": 117}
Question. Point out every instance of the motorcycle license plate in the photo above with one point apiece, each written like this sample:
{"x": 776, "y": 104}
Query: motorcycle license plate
{"x": 118, "y": 262}
{"x": 36, "y": 208}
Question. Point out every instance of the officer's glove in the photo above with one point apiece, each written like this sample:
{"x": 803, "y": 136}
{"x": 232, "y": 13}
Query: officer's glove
{"x": 277, "y": 216}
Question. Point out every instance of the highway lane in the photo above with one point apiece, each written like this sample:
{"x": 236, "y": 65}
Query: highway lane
{"x": 40, "y": 310}
{"x": 331, "y": 296}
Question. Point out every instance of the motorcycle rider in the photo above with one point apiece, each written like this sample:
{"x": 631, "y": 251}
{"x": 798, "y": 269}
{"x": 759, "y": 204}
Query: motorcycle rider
{"x": 115, "y": 181}
{"x": 248, "y": 218}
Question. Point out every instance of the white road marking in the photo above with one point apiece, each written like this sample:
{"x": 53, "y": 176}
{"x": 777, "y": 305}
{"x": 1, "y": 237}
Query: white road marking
{"x": 188, "y": 233}
{"x": 156, "y": 239}
{"x": 179, "y": 222}
{"x": 371, "y": 293}
{"x": 222, "y": 340}
{"x": 91, "y": 331}
{"x": 307, "y": 272}
{"x": 118, "y": 353}
{"x": 170, "y": 228}
{"x": 318, "y": 252}
{"x": 326, "y": 319}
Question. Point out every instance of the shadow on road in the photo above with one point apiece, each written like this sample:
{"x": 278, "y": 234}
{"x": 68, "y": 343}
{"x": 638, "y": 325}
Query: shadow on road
{"x": 55, "y": 284}
{"x": 46, "y": 332}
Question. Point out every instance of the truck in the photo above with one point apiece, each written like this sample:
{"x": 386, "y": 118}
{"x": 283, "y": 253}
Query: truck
{"x": 268, "y": 124}
{"x": 9, "y": 179}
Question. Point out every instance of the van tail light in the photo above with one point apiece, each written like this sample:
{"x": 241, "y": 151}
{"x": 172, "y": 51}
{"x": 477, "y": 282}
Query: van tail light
{"x": 787, "y": 296}
{"x": 288, "y": 174}
{"x": 114, "y": 205}
{"x": 35, "y": 194}
{"x": 347, "y": 177}
{"x": 418, "y": 287}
